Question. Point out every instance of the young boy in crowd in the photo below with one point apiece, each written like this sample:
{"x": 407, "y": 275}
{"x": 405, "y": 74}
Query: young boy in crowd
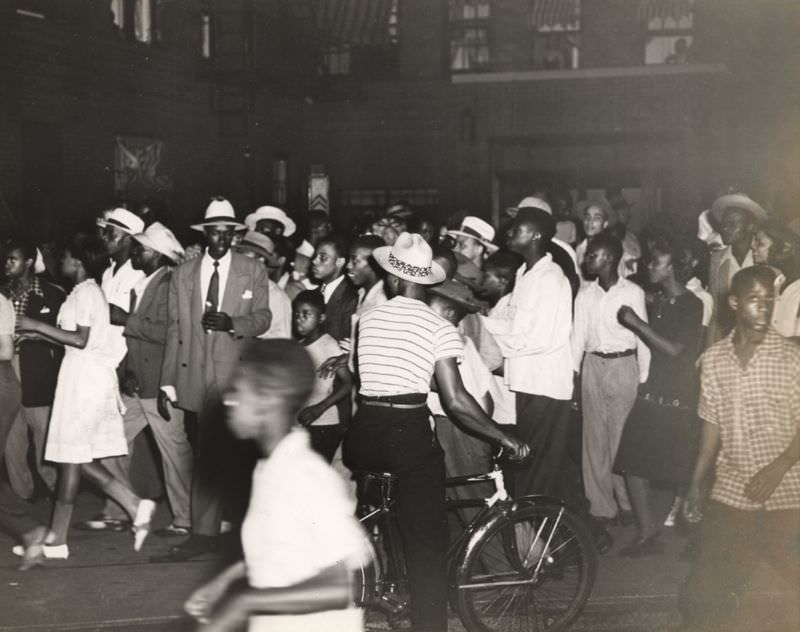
{"x": 750, "y": 405}
{"x": 300, "y": 539}
{"x": 321, "y": 416}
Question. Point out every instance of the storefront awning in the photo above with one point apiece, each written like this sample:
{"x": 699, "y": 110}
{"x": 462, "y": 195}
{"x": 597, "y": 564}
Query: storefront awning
{"x": 664, "y": 10}
{"x": 354, "y": 22}
{"x": 555, "y": 14}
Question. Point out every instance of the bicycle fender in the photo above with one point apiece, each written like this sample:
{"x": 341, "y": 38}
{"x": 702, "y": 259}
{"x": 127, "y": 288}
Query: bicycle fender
{"x": 540, "y": 499}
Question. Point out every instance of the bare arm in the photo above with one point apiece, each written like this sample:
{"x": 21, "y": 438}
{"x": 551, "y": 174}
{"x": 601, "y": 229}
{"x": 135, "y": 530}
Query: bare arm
{"x": 6, "y": 348}
{"x": 465, "y": 410}
{"x": 77, "y": 338}
{"x": 643, "y": 330}
{"x": 709, "y": 446}
{"x": 344, "y": 385}
{"x": 767, "y": 479}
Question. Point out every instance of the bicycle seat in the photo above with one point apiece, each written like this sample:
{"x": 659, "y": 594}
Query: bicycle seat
{"x": 375, "y": 488}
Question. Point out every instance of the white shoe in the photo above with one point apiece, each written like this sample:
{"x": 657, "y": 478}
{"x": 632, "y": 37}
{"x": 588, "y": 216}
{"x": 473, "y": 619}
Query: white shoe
{"x": 674, "y": 512}
{"x": 141, "y": 523}
{"x": 51, "y": 551}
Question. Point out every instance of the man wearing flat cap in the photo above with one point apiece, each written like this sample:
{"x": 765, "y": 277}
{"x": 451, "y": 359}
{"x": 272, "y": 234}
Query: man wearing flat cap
{"x": 216, "y": 302}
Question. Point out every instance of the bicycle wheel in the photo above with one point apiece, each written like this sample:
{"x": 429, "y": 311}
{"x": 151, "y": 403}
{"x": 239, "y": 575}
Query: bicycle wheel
{"x": 531, "y": 569}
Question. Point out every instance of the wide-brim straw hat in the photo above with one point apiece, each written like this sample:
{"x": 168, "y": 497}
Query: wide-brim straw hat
{"x": 272, "y": 213}
{"x": 161, "y": 239}
{"x": 738, "y": 200}
{"x": 123, "y": 219}
{"x": 478, "y": 229}
{"x": 410, "y": 258}
{"x": 529, "y": 202}
{"x": 219, "y": 213}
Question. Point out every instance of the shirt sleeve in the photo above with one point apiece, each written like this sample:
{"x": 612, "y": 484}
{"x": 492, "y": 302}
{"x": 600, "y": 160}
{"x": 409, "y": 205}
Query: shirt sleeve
{"x": 579, "y": 331}
{"x": 447, "y": 343}
{"x": 7, "y": 317}
{"x": 642, "y": 350}
{"x": 88, "y": 304}
{"x": 709, "y": 405}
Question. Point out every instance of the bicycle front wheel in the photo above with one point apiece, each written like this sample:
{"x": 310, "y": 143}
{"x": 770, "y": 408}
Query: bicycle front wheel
{"x": 531, "y": 569}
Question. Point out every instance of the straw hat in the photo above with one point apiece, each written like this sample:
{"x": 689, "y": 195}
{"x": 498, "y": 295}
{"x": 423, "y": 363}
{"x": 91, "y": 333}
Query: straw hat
{"x": 410, "y": 258}
{"x": 161, "y": 239}
{"x": 123, "y": 219}
{"x": 738, "y": 200}
{"x": 529, "y": 202}
{"x": 272, "y": 213}
{"x": 476, "y": 228}
{"x": 219, "y": 213}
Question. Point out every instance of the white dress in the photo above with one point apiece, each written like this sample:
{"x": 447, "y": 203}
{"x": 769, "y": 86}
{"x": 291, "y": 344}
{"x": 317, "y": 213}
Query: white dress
{"x": 86, "y": 421}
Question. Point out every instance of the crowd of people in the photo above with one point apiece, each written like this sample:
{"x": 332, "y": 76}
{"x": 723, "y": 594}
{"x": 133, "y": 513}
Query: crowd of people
{"x": 602, "y": 361}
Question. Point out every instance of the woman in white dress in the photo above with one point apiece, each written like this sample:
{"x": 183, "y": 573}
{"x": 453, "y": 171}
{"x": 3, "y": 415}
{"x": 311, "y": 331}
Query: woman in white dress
{"x": 86, "y": 420}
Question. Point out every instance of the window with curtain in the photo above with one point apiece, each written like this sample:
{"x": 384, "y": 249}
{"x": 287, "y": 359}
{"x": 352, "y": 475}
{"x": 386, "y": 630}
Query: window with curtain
{"x": 470, "y": 45}
{"x": 136, "y": 19}
{"x": 669, "y": 28}
{"x": 556, "y": 26}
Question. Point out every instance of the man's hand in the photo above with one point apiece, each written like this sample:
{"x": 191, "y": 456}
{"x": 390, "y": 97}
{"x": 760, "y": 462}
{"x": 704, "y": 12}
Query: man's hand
{"x": 217, "y": 321}
{"x": 761, "y": 486}
{"x": 162, "y": 404}
{"x": 202, "y": 601}
{"x": 627, "y": 317}
{"x": 518, "y": 449}
{"x": 692, "y": 510}
{"x": 118, "y": 315}
{"x": 309, "y": 415}
{"x": 331, "y": 365}
{"x": 128, "y": 383}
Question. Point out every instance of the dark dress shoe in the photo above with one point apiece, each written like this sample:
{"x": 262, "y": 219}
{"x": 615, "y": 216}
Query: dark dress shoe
{"x": 193, "y": 546}
{"x": 602, "y": 540}
{"x": 172, "y": 530}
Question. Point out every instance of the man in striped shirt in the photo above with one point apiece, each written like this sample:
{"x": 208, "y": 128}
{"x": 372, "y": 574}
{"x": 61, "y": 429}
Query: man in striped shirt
{"x": 401, "y": 345}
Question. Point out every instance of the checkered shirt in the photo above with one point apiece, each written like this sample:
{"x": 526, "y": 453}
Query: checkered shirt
{"x": 757, "y": 409}
{"x": 20, "y": 298}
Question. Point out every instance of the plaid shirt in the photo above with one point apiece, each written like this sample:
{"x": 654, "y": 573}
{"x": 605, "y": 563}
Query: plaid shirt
{"x": 757, "y": 409}
{"x": 20, "y": 299}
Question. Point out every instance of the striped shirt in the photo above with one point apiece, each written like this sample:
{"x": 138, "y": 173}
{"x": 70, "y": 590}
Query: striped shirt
{"x": 399, "y": 343}
{"x": 757, "y": 409}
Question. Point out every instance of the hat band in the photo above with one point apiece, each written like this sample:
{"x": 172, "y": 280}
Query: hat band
{"x": 220, "y": 219}
{"x": 118, "y": 224}
{"x": 253, "y": 244}
{"x": 473, "y": 233}
{"x": 406, "y": 268}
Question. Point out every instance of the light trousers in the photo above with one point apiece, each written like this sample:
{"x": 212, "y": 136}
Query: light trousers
{"x": 608, "y": 391}
{"x": 176, "y": 456}
{"x": 20, "y": 475}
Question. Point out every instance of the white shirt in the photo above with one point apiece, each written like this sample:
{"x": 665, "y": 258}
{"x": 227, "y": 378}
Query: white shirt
{"x": 329, "y": 288}
{"x": 376, "y": 295}
{"x": 626, "y": 267}
{"x": 281, "y": 307}
{"x": 722, "y": 271}
{"x": 117, "y": 288}
{"x": 597, "y": 328}
{"x": 299, "y": 522}
{"x": 505, "y": 401}
{"x": 322, "y": 349}
{"x": 207, "y": 269}
{"x": 140, "y": 288}
{"x": 696, "y": 288}
{"x": 786, "y": 313}
{"x": 534, "y": 335}
{"x": 474, "y": 374}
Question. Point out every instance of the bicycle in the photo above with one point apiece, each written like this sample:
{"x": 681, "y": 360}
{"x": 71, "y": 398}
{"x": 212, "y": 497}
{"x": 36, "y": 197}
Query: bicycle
{"x": 519, "y": 564}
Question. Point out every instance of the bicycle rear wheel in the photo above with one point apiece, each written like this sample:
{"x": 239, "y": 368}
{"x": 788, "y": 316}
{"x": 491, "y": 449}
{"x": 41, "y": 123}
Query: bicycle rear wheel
{"x": 532, "y": 569}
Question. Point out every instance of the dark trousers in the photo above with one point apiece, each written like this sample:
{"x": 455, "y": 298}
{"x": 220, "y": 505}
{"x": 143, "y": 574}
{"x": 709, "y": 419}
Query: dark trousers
{"x": 544, "y": 424}
{"x": 222, "y": 471}
{"x": 401, "y": 442}
{"x": 325, "y": 440}
{"x": 731, "y": 543}
{"x": 14, "y": 516}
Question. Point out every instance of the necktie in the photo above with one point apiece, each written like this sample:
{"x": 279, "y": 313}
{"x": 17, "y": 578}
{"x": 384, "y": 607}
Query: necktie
{"x": 212, "y": 297}
{"x": 322, "y": 291}
{"x": 132, "y": 306}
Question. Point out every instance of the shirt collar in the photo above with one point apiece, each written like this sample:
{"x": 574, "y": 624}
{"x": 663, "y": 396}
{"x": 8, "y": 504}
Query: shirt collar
{"x": 224, "y": 261}
{"x": 522, "y": 270}
{"x": 330, "y": 288}
{"x": 772, "y": 340}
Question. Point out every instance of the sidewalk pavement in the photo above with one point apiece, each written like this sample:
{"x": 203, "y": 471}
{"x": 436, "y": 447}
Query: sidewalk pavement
{"x": 105, "y": 584}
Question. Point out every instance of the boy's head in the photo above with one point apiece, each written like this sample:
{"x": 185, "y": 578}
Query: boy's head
{"x": 329, "y": 259}
{"x": 308, "y": 313}
{"x": 499, "y": 273}
{"x": 595, "y": 220}
{"x": 272, "y": 383}
{"x": 752, "y": 297}
{"x": 603, "y": 253}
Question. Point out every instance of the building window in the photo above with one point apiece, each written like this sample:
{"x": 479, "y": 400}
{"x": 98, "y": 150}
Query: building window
{"x": 336, "y": 60}
{"x": 470, "y": 22}
{"x": 378, "y": 200}
{"x": 136, "y": 19}
{"x": 556, "y": 34}
{"x": 669, "y": 26}
{"x": 205, "y": 35}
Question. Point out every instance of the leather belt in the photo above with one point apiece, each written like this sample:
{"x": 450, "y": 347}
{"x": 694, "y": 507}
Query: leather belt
{"x": 407, "y": 401}
{"x": 367, "y": 402}
{"x": 614, "y": 354}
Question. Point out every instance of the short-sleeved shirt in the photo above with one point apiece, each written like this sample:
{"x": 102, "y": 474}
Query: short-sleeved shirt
{"x": 757, "y": 409}
{"x": 320, "y": 350}
{"x": 476, "y": 378}
{"x": 8, "y": 318}
{"x": 399, "y": 344}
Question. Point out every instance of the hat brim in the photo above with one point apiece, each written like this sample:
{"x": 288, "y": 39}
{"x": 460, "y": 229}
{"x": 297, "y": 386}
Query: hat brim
{"x": 271, "y": 259}
{"x": 737, "y": 201}
{"x": 102, "y": 223}
{"x": 490, "y": 247}
{"x": 148, "y": 243}
{"x": 437, "y": 273}
{"x": 471, "y": 308}
{"x": 289, "y": 227}
{"x": 220, "y": 222}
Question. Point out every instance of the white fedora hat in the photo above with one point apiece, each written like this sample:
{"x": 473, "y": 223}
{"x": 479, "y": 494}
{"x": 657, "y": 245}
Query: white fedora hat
{"x": 476, "y": 228}
{"x": 161, "y": 239}
{"x": 123, "y": 219}
{"x": 410, "y": 258}
{"x": 529, "y": 202}
{"x": 738, "y": 200}
{"x": 272, "y": 213}
{"x": 219, "y": 213}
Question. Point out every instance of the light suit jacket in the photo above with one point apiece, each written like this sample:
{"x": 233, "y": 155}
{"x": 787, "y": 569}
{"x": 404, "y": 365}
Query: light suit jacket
{"x": 199, "y": 363}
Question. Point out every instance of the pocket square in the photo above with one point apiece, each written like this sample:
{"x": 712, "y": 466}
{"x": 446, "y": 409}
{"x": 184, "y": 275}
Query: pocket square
{"x": 247, "y": 294}
{"x": 45, "y": 310}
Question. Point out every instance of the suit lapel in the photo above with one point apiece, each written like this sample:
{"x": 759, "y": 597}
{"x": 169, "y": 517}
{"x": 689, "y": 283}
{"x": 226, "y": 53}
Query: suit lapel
{"x": 146, "y": 299}
{"x": 234, "y": 286}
